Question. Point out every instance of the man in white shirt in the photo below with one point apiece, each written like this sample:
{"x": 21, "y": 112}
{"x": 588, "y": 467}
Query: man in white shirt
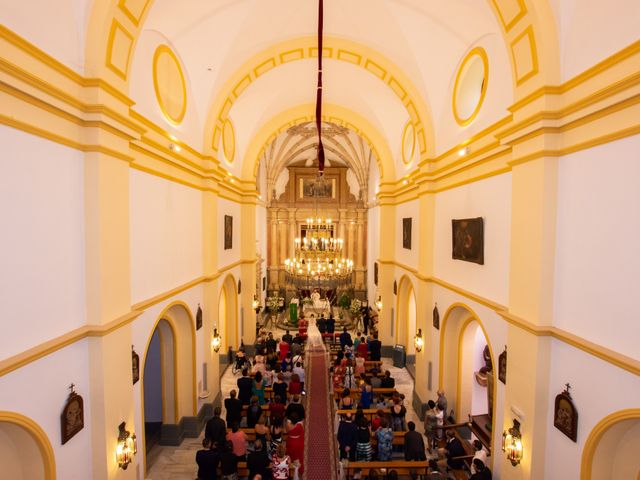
{"x": 480, "y": 454}
{"x": 300, "y": 372}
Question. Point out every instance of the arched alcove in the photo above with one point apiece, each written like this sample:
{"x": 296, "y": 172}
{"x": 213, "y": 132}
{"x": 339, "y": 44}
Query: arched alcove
{"x": 168, "y": 370}
{"x": 25, "y": 450}
{"x": 228, "y": 323}
{"x": 463, "y": 337}
{"x": 406, "y": 308}
{"x": 611, "y": 448}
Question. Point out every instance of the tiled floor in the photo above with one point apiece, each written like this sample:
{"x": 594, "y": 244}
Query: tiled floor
{"x": 178, "y": 463}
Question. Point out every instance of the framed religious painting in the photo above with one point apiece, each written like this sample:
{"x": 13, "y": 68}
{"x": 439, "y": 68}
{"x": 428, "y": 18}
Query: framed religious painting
{"x": 406, "y": 233}
{"x": 502, "y": 366}
{"x": 72, "y": 417}
{"x": 436, "y": 317}
{"x": 135, "y": 366}
{"x": 467, "y": 237}
{"x": 565, "y": 415}
{"x": 228, "y": 232}
{"x": 375, "y": 273}
{"x": 199, "y": 318}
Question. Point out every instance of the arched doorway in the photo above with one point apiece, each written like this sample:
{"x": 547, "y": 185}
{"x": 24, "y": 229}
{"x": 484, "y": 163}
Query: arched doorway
{"x": 228, "y": 323}
{"x": 406, "y": 318}
{"x": 465, "y": 348}
{"x": 168, "y": 379}
{"x": 611, "y": 448}
{"x": 25, "y": 450}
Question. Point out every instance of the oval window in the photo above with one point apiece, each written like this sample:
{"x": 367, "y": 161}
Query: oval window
{"x": 471, "y": 86}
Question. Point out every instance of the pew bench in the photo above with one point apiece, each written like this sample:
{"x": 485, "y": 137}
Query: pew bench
{"x": 403, "y": 467}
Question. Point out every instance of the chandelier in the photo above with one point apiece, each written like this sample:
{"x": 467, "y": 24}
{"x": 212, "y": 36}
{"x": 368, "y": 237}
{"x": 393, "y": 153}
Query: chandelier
{"x": 318, "y": 260}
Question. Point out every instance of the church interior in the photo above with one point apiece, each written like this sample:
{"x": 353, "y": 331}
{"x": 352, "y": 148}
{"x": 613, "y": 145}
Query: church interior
{"x": 184, "y": 180}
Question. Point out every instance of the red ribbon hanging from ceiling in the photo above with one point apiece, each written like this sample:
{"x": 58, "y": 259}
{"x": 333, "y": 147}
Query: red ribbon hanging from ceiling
{"x": 319, "y": 90}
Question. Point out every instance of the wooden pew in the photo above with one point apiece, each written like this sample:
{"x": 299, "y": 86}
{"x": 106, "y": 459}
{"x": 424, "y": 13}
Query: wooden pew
{"x": 369, "y": 412}
{"x": 401, "y": 466}
{"x": 355, "y": 393}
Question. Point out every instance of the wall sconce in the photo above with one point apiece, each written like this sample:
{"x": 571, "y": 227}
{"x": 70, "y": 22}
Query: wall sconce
{"x": 418, "y": 341}
{"x": 127, "y": 446}
{"x": 216, "y": 341}
{"x": 256, "y": 304}
{"x": 379, "y": 303}
{"x": 512, "y": 443}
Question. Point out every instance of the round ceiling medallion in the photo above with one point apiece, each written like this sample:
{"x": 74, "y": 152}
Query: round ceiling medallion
{"x": 228, "y": 140}
{"x": 169, "y": 84}
{"x": 471, "y": 86}
{"x": 408, "y": 143}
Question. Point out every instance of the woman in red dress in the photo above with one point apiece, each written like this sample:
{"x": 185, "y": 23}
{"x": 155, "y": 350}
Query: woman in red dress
{"x": 295, "y": 441}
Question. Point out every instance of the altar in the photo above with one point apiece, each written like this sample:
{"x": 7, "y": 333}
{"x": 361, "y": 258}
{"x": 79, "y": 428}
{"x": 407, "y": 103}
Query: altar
{"x": 317, "y": 306}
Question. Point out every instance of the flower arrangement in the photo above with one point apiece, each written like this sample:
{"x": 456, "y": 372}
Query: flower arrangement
{"x": 355, "y": 308}
{"x": 307, "y": 301}
{"x": 273, "y": 304}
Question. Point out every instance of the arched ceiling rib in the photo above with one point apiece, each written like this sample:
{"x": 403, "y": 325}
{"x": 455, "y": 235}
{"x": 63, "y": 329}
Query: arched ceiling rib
{"x": 299, "y": 144}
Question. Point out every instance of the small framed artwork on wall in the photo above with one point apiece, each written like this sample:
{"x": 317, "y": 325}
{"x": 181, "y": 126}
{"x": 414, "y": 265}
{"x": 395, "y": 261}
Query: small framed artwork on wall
{"x": 468, "y": 240}
{"x": 228, "y": 232}
{"x": 406, "y": 233}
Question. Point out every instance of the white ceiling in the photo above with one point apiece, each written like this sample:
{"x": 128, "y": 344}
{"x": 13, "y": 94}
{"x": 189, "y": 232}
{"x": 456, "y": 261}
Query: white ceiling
{"x": 425, "y": 39}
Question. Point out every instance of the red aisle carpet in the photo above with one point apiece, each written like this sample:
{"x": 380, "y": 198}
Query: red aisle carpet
{"x": 319, "y": 445}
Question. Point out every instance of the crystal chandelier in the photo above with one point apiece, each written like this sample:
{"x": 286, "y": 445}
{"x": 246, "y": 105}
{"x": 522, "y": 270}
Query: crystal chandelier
{"x": 318, "y": 259}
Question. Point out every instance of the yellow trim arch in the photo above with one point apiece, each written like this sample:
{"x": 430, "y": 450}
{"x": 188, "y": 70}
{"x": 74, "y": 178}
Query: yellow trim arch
{"x": 601, "y": 428}
{"x": 305, "y": 113}
{"x": 39, "y": 437}
{"x": 464, "y": 323}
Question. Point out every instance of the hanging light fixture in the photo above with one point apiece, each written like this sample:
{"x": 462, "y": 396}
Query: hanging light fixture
{"x": 127, "y": 446}
{"x": 512, "y": 443}
{"x": 418, "y": 341}
{"x": 318, "y": 259}
{"x": 216, "y": 341}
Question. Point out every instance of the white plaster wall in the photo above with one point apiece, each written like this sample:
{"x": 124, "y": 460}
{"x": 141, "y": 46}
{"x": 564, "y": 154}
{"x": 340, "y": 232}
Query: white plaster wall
{"x": 39, "y": 391}
{"x": 598, "y": 223}
{"x": 166, "y": 235}
{"x": 42, "y": 279}
{"x": 490, "y": 199}
{"x": 498, "y": 98}
{"x": 597, "y": 388}
{"x": 225, "y": 257}
{"x": 407, "y": 210}
{"x": 142, "y": 91}
{"x": 592, "y": 30}
{"x": 58, "y": 28}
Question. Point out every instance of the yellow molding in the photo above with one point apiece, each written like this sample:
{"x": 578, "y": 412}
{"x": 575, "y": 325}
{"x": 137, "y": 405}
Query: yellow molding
{"x": 604, "y": 353}
{"x": 511, "y": 23}
{"x": 596, "y": 435}
{"x": 522, "y": 77}
{"x": 115, "y": 27}
{"x": 60, "y": 68}
{"x": 581, "y": 78}
{"x": 35, "y": 353}
{"x": 408, "y": 160}
{"x": 122, "y": 4}
{"x": 39, "y": 437}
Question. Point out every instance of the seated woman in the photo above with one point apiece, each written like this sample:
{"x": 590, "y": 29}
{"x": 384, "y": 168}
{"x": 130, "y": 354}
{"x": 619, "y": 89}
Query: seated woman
{"x": 346, "y": 402}
{"x": 366, "y": 396}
